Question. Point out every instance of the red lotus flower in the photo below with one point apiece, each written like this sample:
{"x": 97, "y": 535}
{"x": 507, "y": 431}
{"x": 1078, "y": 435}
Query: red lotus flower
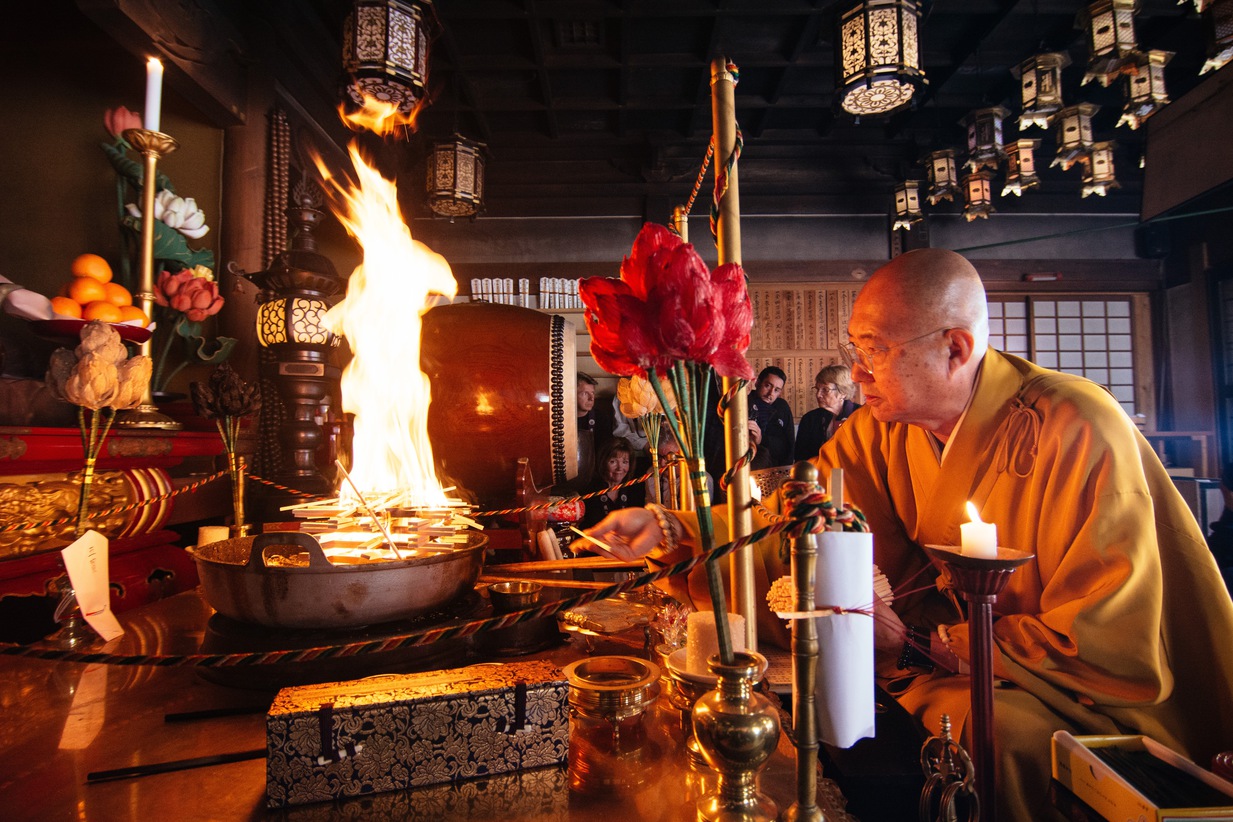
{"x": 667, "y": 307}
{"x": 119, "y": 119}
{"x": 195, "y": 297}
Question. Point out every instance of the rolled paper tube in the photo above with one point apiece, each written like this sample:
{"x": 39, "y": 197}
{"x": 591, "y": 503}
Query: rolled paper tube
{"x": 212, "y": 533}
{"x": 702, "y": 640}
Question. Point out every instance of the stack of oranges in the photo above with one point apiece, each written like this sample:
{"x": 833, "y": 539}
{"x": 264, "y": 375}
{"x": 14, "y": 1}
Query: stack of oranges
{"x": 91, "y": 295}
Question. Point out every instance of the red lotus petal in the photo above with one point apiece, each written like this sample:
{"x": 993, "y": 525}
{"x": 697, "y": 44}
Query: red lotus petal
{"x": 637, "y": 269}
{"x": 614, "y": 362}
{"x": 729, "y": 362}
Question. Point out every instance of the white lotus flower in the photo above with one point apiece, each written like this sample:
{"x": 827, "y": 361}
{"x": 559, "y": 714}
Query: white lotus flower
{"x": 638, "y": 397}
{"x": 179, "y": 213}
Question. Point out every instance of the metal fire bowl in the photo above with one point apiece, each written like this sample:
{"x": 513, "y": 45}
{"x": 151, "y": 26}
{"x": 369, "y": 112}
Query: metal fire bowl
{"x": 238, "y": 584}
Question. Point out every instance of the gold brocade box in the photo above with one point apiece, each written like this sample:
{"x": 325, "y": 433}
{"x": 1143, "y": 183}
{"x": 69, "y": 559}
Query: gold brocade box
{"x": 389, "y": 733}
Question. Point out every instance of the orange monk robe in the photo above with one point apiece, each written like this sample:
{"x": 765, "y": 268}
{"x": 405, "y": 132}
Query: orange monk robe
{"x": 1120, "y": 623}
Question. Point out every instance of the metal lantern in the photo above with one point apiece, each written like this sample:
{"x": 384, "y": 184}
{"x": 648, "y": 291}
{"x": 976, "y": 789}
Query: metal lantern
{"x": 1145, "y": 89}
{"x": 978, "y": 195}
{"x": 1098, "y": 172}
{"x": 1021, "y": 167}
{"x": 456, "y": 178}
{"x": 1040, "y": 86}
{"x": 385, "y": 50}
{"x": 879, "y": 56}
{"x": 907, "y": 205}
{"x": 1112, "y": 48}
{"x": 296, "y": 290}
{"x": 1218, "y": 26}
{"x": 984, "y": 127}
{"x": 1073, "y": 133}
{"x": 943, "y": 176}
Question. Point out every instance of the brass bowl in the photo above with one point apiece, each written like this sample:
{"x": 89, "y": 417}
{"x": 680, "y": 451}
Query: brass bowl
{"x": 514, "y": 596}
{"x": 612, "y": 688}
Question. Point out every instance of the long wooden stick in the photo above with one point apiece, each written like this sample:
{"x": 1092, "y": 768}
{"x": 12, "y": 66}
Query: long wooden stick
{"x": 580, "y": 563}
{"x": 736, "y": 417}
{"x": 547, "y": 582}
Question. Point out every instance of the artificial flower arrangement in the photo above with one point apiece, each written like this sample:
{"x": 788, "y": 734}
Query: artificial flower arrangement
{"x": 184, "y": 287}
{"x": 100, "y": 378}
{"x": 227, "y": 398}
{"x": 640, "y": 402}
{"x": 671, "y": 321}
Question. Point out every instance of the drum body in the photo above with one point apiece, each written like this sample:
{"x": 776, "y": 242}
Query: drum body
{"x": 504, "y": 387}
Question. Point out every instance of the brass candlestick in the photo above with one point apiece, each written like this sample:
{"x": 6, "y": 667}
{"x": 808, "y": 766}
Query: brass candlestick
{"x": 805, "y": 668}
{"x": 152, "y": 145}
{"x": 979, "y": 581}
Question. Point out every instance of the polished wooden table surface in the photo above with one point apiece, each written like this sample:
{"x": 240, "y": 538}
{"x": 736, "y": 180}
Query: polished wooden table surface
{"x": 62, "y": 721}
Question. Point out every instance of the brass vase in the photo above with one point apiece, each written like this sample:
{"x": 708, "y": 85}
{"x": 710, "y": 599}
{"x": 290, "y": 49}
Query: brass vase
{"x": 737, "y": 730}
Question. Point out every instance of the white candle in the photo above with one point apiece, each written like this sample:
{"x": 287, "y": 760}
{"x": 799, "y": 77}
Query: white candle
{"x": 212, "y": 533}
{"x": 154, "y": 93}
{"x": 979, "y": 539}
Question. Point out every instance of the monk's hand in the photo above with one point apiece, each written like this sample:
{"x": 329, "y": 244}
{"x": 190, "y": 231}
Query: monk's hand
{"x": 889, "y": 632}
{"x": 628, "y": 533}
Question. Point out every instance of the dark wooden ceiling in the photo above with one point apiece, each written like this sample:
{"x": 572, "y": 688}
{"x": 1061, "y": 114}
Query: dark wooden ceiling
{"x": 602, "y": 107}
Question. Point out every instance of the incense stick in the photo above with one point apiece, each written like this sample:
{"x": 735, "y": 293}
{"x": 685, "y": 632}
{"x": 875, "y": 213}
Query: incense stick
{"x": 176, "y": 765}
{"x": 593, "y": 540}
{"x": 371, "y": 513}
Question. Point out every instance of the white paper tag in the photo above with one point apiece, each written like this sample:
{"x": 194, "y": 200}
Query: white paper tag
{"x": 86, "y": 561}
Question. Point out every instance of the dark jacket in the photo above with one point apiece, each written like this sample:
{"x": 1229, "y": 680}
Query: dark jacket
{"x": 778, "y": 432}
{"x": 813, "y": 429}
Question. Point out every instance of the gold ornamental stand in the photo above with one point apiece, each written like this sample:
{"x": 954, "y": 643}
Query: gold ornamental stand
{"x": 805, "y": 667}
{"x": 979, "y": 581}
{"x": 152, "y": 145}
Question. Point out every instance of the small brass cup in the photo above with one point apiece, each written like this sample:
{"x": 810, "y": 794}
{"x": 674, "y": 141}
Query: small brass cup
{"x": 514, "y": 596}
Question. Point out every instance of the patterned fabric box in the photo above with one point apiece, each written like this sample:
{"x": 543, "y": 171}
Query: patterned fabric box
{"x": 389, "y": 733}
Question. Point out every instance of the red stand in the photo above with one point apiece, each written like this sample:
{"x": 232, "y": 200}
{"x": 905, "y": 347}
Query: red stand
{"x": 979, "y": 581}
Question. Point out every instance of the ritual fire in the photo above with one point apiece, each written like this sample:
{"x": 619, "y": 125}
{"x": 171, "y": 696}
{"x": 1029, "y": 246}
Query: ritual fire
{"x": 391, "y": 494}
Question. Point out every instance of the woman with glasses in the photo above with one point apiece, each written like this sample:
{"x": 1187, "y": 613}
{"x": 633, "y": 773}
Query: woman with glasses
{"x": 833, "y": 389}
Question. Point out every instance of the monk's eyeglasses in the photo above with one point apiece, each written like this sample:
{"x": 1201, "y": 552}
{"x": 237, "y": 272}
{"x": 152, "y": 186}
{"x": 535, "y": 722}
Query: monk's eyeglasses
{"x": 875, "y": 356}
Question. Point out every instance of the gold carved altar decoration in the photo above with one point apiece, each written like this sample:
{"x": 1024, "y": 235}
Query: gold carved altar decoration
{"x": 37, "y": 504}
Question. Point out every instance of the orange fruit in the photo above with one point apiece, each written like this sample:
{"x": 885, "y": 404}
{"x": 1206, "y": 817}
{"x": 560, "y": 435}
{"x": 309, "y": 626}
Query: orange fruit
{"x": 86, "y": 290}
{"x": 128, "y": 313}
{"x": 117, "y": 294}
{"x": 101, "y": 310}
{"x": 66, "y": 306}
{"x": 92, "y": 266}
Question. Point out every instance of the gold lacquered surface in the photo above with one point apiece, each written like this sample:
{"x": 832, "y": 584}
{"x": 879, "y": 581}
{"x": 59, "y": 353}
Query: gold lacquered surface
{"x": 60, "y": 721}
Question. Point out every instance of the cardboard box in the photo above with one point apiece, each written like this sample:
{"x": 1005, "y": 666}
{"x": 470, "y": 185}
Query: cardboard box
{"x": 393, "y": 732}
{"x": 1105, "y": 790}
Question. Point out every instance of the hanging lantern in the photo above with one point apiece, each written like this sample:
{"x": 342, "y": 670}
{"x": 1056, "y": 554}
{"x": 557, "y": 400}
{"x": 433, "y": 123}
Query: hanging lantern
{"x": 1218, "y": 28}
{"x": 1021, "y": 167}
{"x": 1040, "y": 86}
{"x": 1145, "y": 89}
{"x": 943, "y": 176}
{"x": 907, "y": 205}
{"x": 1112, "y": 48}
{"x": 984, "y": 127}
{"x": 1073, "y": 133}
{"x": 978, "y": 195}
{"x": 1098, "y": 172}
{"x": 385, "y": 50}
{"x": 879, "y": 56}
{"x": 456, "y": 178}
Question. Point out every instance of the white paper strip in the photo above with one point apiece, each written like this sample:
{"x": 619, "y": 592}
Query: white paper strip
{"x": 844, "y": 690}
{"x": 86, "y": 562}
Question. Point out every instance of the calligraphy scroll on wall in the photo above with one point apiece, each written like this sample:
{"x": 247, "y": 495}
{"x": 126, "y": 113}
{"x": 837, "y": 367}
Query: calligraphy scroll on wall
{"x": 799, "y": 329}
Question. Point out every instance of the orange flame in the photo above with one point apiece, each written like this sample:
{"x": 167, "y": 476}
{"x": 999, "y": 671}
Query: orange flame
{"x": 399, "y": 279}
{"x": 380, "y": 116}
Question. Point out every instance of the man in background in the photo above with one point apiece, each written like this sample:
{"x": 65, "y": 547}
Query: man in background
{"x": 771, "y": 427}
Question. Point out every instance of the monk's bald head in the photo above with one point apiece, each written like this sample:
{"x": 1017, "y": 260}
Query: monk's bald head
{"x": 926, "y": 289}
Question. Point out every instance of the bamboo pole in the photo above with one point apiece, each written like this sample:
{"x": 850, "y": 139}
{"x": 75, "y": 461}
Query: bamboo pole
{"x": 736, "y": 417}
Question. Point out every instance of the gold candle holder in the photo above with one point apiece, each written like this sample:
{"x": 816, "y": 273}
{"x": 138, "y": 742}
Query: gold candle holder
{"x": 152, "y": 145}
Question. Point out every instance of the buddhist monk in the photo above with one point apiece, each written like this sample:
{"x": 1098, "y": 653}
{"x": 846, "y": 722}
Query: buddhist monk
{"x": 1120, "y": 624}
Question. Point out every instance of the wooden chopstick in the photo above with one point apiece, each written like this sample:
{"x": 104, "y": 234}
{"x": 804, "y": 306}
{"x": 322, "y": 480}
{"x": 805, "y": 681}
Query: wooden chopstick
{"x": 548, "y": 583}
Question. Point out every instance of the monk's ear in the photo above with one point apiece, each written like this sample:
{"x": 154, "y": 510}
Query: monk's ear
{"x": 961, "y": 346}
